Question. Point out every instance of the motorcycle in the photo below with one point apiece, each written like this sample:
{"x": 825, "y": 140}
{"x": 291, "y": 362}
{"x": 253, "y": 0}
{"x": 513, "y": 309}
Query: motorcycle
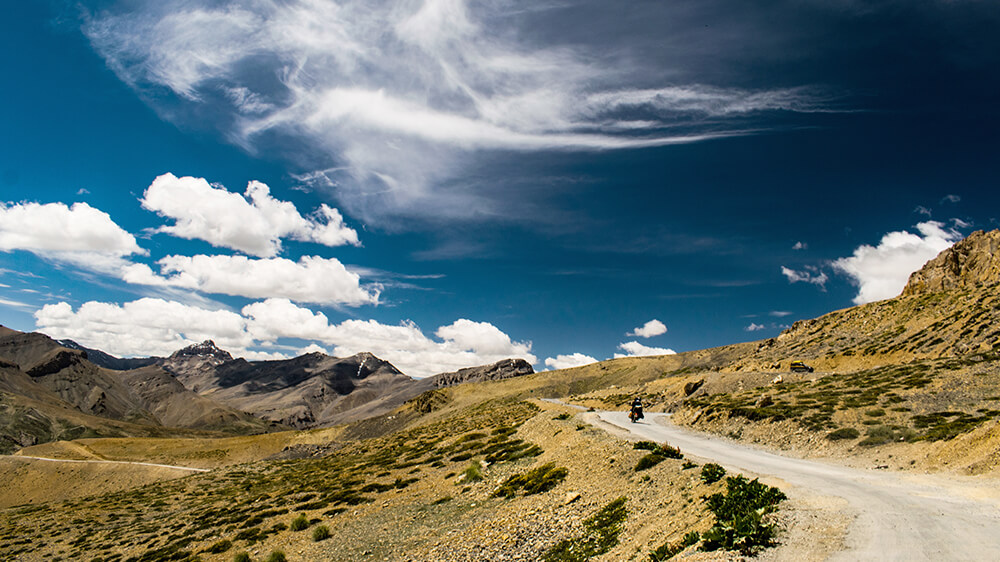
{"x": 635, "y": 414}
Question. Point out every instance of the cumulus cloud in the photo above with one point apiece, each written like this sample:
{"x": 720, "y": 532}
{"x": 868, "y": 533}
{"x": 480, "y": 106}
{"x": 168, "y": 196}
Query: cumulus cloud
{"x": 800, "y": 246}
{"x": 312, "y": 279}
{"x": 754, "y": 327}
{"x": 79, "y": 234}
{"x": 636, "y": 349}
{"x": 159, "y": 327}
{"x": 143, "y": 327}
{"x": 810, "y": 274}
{"x": 569, "y": 361}
{"x": 253, "y": 223}
{"x": 409, "y": 96}
{"x": 881, "y": 271}
{"x": 652, "y": 328}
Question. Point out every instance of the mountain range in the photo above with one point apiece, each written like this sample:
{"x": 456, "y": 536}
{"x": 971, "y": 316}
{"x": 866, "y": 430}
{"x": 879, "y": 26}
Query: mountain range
{"x": 62, "y": 390}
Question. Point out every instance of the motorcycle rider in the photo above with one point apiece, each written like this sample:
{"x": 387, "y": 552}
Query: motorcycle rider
{"x": 635, "y": 413}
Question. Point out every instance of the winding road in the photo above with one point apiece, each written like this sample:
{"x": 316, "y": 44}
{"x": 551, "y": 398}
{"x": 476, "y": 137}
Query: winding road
{"x": 892, "y": 515}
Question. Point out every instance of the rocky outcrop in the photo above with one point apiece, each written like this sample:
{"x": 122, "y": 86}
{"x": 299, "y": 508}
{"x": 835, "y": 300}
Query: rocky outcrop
{"x": 195, "y": 366}
{"x": 506, "y": 369}
{"x": 972, "y": 262}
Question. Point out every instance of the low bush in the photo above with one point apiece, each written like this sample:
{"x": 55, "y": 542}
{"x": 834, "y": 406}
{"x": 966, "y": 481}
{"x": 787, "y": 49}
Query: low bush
{"x": 562, "y": 416}
{"x": 473, "y": 472}
{"x": 600, "y": 534}
{"x": 535, "y": 481}
{"x": 739, "y": 515}
{"x": 277, "y": 556}
{"x": 712, "y": 473}
{"x": 242, "y": 557}
{"x": 321, "y": 533}
{"x": 843, "y": 433}
{"x": 649, "y": 461}
{"x": 300, "y": 523}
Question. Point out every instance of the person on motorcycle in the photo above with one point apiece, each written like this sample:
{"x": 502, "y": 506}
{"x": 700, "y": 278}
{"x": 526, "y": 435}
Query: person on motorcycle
{"x": 635, "y": 413}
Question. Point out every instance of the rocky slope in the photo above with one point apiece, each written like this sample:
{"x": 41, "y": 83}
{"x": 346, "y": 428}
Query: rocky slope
{"x": 949, "y": 308}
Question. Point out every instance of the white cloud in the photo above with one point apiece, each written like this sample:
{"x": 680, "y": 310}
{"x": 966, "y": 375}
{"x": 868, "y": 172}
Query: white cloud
{"x": 80, "y": 234}
{"x": 569, "y": 361}
{"x": 636, "y": 349}
{"x": 800, "y": 246}
{"x": 652, "y": 328}
{"x": 810, "y": 275}
{"x": 312, "y": 279}
{"x": 881, "y": 272}
{"x": 921, "y": 210}
{"x": 253, "y": 223}
{"x": 401, "y": 91}
{"x": 951, "y": 198}
{"x": 780, "y": 313}
{"x": 754, "y": 327}
{"x": 159, "y": 327}
{"x": 143, "y": 327}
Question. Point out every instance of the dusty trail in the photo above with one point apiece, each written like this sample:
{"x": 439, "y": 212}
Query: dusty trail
{"x": 93, "y": 461}
{"x": 894, "y": 516}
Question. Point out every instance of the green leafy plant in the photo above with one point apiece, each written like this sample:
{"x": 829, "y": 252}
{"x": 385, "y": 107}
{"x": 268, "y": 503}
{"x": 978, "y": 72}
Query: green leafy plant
{"x": 712, "y": 473}
{"x": 649, "y": 461}
{"x": 739, "y": 516}
{"x": 242, "y": 557}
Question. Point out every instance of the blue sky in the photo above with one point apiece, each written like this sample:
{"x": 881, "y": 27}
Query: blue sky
{"x": 447, "y": 183}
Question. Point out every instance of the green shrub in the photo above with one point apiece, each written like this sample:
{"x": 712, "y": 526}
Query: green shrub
{"x": 843, "y": 433}
{"x": 739, "y": 514}
{"x": 473, "y": 473}
{"x": 600, "y": 534}
{"x": 649, "y": 461}
{"x": 300, "y": 523}
{"x": 277, "y": 556}
{"x": 242, "y": 557}
{"x": 647, "y": 445}
{"x": 535, "y": 481}
{"x": 562, "y": 416}
{"x": 712, "y": 473}
{"x": 321, "y": 533}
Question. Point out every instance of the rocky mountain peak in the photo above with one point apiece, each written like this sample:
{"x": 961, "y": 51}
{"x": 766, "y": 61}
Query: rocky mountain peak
{"x": 508, "y": 368}
{"x": 970, "y": 262}
{"x": 206, "y": 349}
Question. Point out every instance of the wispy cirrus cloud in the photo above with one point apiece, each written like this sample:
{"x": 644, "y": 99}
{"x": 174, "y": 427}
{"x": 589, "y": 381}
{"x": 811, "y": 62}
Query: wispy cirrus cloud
{"x": 402, "y": 100}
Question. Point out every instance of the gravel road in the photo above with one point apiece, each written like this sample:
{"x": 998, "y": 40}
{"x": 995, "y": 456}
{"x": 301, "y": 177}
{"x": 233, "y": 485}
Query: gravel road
{"x": 892, "y": 515}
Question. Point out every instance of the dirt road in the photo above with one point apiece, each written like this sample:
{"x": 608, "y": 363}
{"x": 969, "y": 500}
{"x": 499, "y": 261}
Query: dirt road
{"x": 888, "y": 515}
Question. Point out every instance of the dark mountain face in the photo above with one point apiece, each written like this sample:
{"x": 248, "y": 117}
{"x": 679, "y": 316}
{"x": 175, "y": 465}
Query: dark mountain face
{"x": 108, "y": 361}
